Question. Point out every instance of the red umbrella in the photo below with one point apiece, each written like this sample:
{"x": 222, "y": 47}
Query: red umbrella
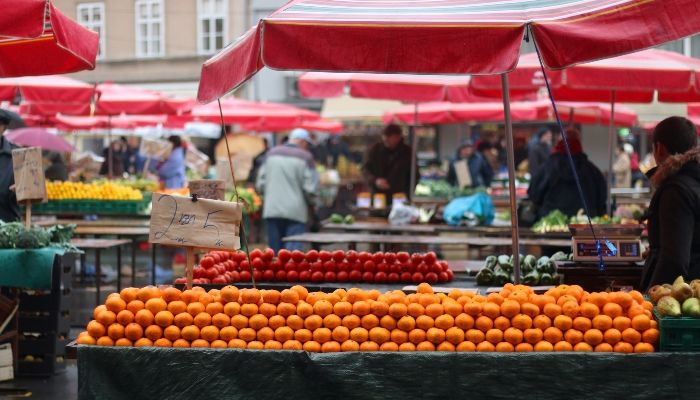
{"x": 445, "y": 37}
{"x": 237, "y": 111}
{"x": 114, "y": 99}
{"x": 38, "y": 137}
{"x": 48, "y": 95}
{"x": 319, "y": 125}
{"x": 694, "y": 110}
{"x": 37, "y": 39}
{"x": 69, "y": 122}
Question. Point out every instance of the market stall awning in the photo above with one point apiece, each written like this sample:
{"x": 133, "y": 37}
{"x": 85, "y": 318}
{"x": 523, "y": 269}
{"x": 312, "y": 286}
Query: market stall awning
{"x": 37, "y": 39}
{"x": 114, "y": 99}
{"x": 48, "y": 95}
{"x": 251, "y": 113}
{"x": 69, "y": 122}
{"x": 355, "y": 109}
{"x": 634, "y": 78}
{"x": 443, "y": 36}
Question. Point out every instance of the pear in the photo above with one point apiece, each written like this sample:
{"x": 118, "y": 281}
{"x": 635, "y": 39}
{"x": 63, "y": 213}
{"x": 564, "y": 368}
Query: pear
{"x": 668, "y": 307}
{"x": 691, "y": 307}
{"x": 658, "y": 291}
{"x": 695, "y": 285}
{"x": 681, "y": 290}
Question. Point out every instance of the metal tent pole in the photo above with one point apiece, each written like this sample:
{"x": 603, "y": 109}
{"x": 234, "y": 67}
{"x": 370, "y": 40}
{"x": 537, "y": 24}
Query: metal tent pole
{"x": 611, "y": 149}
{"x": 414, "y": 148}
{"x": 511, "y": 177}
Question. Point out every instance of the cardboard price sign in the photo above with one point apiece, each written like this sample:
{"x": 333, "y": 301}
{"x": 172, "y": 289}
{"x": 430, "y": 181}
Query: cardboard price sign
{"x": 208, "y": 189}
{"x": 206, "y": 224}
{"x": 28, "y": 168}
{"x": 155, "y": 148}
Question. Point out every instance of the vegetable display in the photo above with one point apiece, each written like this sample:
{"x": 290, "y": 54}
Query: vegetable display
{"x": 13, "y": 235}
{"x": 104, "y": 190}
{"x": 565, "y": 318}
{"x": 339, "y": 219}
{"x": 557, "y": 221}
{"x": 677, "y": 299}
{"x": 220, "y": 267}
{"x": 442, "y": 189}
{"x": 499, "y": 270}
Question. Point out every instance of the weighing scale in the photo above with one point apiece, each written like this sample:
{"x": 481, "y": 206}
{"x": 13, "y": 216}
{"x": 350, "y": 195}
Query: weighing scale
{"x": 618, "y": 242}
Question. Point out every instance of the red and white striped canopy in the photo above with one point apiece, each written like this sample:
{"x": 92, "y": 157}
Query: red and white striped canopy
{"x": 114, "y": 99}
{"x": 254, "y": 115}
{"x": 48, "y": 95}
{"x": 443, "y": 36}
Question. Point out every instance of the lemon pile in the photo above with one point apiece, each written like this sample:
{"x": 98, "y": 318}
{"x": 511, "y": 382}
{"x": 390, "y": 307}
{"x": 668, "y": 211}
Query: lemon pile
{"x": 60, "y": 190}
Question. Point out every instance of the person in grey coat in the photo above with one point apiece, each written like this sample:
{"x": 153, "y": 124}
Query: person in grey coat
{"x": 288, "y": 182}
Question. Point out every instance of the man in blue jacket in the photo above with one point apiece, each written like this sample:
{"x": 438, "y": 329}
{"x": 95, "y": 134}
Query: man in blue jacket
{"x": 479, "y": 169}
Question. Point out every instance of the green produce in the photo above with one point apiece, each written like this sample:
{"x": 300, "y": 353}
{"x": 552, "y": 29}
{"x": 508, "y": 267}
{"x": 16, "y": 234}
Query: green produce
{"x": 546, "y": 279}
{"x": 668, "y": 307}
{"x": 691, "y": 307}
{"x": 532, "y": 278}
{"x": 530, "y": 261}
{"x": 501, "y": 278}
{"x": 9, "y": 233}
{"x": 559, "y": 256}
{"x": 484, "y": 277}
{"x": 681, "y": 290}
{"x": 336, "y": 219}
{"x": 491, "y": 261}
{"x": 499, "y": 270}
{"x": 349, "y": 219}
{"x": 442, "y": 189}
{"x": 555, "y": 221}
{"x": 14, "y": 235}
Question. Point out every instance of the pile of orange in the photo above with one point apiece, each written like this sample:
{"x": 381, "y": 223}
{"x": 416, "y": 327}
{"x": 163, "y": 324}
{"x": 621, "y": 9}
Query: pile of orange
{"x": 565, "y": 318}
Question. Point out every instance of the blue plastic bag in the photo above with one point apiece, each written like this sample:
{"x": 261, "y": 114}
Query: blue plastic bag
{"x": 477, "y": 209}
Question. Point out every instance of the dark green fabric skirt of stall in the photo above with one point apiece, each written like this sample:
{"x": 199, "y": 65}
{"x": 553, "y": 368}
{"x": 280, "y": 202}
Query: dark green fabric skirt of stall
{"x": 166, "y": 373}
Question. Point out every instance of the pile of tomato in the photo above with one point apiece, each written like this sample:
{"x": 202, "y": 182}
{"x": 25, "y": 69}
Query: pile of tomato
{"x": 221, "y": 267}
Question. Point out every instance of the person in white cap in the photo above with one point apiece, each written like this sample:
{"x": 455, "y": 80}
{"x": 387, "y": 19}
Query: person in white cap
{"x": 289, "y": 183}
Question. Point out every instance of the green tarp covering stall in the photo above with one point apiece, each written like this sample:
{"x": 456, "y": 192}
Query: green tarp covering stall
{"x": 167, "y": 373}
{"x": 30, "y": 268}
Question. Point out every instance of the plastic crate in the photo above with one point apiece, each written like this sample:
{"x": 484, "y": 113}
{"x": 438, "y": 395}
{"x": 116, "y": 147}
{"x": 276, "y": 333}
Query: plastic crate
{"x": 678, "y": 334}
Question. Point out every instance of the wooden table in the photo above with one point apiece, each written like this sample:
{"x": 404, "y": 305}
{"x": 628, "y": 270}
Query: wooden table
{"x": 110, "y": 222}
{"x": 98, "y": 245}
{"x": 381, "y": 227}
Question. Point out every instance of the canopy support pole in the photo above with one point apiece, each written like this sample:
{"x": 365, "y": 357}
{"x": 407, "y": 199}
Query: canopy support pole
{"x": 511, "y": 177}
{"x": 414, "y": 149}
{"x": 110, "y": 151}
{"x": 611, "y": 150}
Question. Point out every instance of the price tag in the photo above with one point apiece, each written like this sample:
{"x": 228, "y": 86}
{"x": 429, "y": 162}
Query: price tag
{"x": 464, "y": 176}
{"x": 207, "y": 189}
{"x": 155, "y": 148}
{"x": 28, "y": 168}
{"x": 206, "y": 224}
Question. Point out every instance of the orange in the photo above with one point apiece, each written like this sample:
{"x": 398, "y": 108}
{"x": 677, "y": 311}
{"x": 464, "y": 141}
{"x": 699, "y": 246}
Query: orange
{"x": 96, "y": 329}
{"x": 566, "y": 298}
{"x": 563, "y": 346}
{"x": 361, "y": 308}
{"x": 239, "y": 321}
{"x": 389, "y": 346}
{"x": 247, "y": 334}
{"x": 340, "y": 334}
{"x": 623, "y": 347}
{"x": 369, "y": 346}
{"x": 115, "y": 331}
{"x": 387, "y": 322}
{"x": 115, "y": 304}
{"x": 250, "y": 296}
{"x": 322, "y": 335}
{"x": 533, "y": 335}
{"x": 163, "y": 342}
{"x": 485, "y": 346}
{"x": 106, "y": 317}
{"x": 494, "y": 335}
{"x": 593, "y": 337}
{"x": 292, "y": 345}
{"x": 416, "y": 336}
{"x": 228, "y": 333}
{"x": 380, "y": 335}
{"x": 541, "y": 322}
{"x": 271, "y": 296}
{"x": 453, "y": 335}
{"x": 504, "y": 347}
{"x": 573, "y": 336}
{"x": 631, "y": 336}
{"x": 425, "y": 322}
{"x": 220, "y": 320}
{"x": 435, "y": 335}
{"x": 552, "y": 310}
{"x": 621, "y": 323}
{"x": 425, "y": 346}
{"x": 513, "y": 336}
{"x": 598, "y": 298}
{"x": 133, "y": 331}
{"x": 293, "y": 321}
{"x": 581, "y": 323}
{"x": 530, "y": 310}
{"x": 510, "y": 308}
{"x": 602, "y": 322}
{"x": 156, "y": 305}
{"x": 452, "y": 308}
{"x": 249, "y": 310}
{"x": 350, "y": 345}
{"x": 563, "y": 322}
{"x": 475, "y": 336}
{"x": 612, "y": 310}
{"x": 323, "y": 308}
{"x": 171, "y": 333}
{"x": 195, "y": 308}
{"x": 290, "y": 296}
{"x": 129, "y": 294}
{"x": 342, "y": 308}
{"x": 427, "y": 299}
{"x": 153, "y": 332}
{"x": 301, "y": 291}
{"x": 379, "y": 308}
{"x": 641, "y": 322}
{"x": 464, "y": 321}
{"x": 369, "y": 321}
{"x": 199, "y": 343}
{"x": 123, "y": 342}
{"x": 583, "y": 346}
{"x": 351, "y": 321}
{"x": 406, "y": 323}
{"x": 330, "y": 347}
{"x": 313, "y": 322}
{"x": 495, "y": 298}
{"x": 434, "y": 310}
{"x": 624, "y": 299}
{"x": 232, "y": 309}
{"x": 424, "y": 288}
{"x": 501, "y": 323}
{"x": 265, "y": 334}
{"x": 466, "y": 346}
{"x": 286, "y": 309}
{"x": 144, "y": 318}
{"x": 543, "y": 346}
{"x": 444, "y": 321}
{"x": 520, "y": 296}
{"x": 642, "y": 347}
{"x": 253, "y": 345}
{"x": 398, "y": 336}
{"x": 181, "y": 343}
{"x": 570, "y": 309}
{"x": 170, "y": 294}
{"x": 189, "y": 296}
{"x": 164, "y": 318}
{"x": 521, "y": 321}
{"x": 202, "y": 319}
{"x": 216, "y": 307}
{"x": 541, "y": 300}
{"x": 87, "y": 339}
{"x": 219, "y": 344}
{"x": 650, "y": 336}
{"x": 473, "y": 309}
{"x": 491, "y": 310}
{"x": 209, "y": 333}
{"x": 524, "y": 347}
{"x": 603, "y": 348}
{"x": 302, "y": 335}
{"x": 415, "y": 310}
{"x": 552, "y": 335}
{"x": 359, "y": 334}
{"x": 589, "y": 310}
{"x": 304, "y": 309}
{"x": 105, "y": 341}
{"x": 177, "y": 306}
{"x": 229, "y": 294}
{"x": 483, "y": 323}
{"x": 274, "y": 322}
{"x": 257, "y": 321}
{"x": 612, "y": 336}
{"x": 635, "y": 310}
{"x": 396, "y": 310}
{"x": 99, "y": 309}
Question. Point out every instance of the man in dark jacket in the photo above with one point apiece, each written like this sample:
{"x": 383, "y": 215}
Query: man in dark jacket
{"x": 674, "y": 211}
{"x": 538, "y": 150}
{"x": 387, "y": 167}
{"x": 9, "y": 210}
{"x": 554, "y": 188}
{"x": 480, "y": 171}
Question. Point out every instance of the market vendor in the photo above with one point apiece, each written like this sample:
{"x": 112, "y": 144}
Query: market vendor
{"x": 387, "y": 166}
{"x": 674, "y": 211}
{"x": 478, "y": 168}
{"x": 172, "y": 171}
{"x": 9, "y": 210}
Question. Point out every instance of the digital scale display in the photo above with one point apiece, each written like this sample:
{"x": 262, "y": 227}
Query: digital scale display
{"x": 590, "y": 249}
{"x": 622, "y": 250}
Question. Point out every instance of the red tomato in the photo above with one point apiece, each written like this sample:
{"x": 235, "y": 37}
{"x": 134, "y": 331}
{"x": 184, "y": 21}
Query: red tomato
{"x": 206, "y": 262}
{"x": 281, "y": 275}
{"x": 220, "y": 269}
{"x": 244, "y": 275}
{"x": 342, "y": 276}
{"x": 239, "y": 256}
{"x": 235, "y": 277}
{"x": 210, "y": 273}
{"x": 258, "y": 263}
{"x": 311, "y": 256}
{"x": 430, "y": 258}
{"x": 181, "y": 281}
{"x": 383, "y": 267}
{"x": 255, "y": 253}
{"x": 219, "y": 280}
{"x": 198, "y": 272}
{"x": 303, "y": 266}
{"x": 356, "y": 266}
{"x": 305, "y": 276}
{"x": 431, "y": 277}
{"x": 444, "y": 265}
{"x": 268, "y": 255}
{"x": 339, "y": 255}
{"x": 215, "y": 257}
{"x": 343, "y": 266}
{"x": 275, "y": 265}
{"x": 268, "y": 275}
{"x": 329, "y": 266}
{"x": 395, "y": 268}
{"x": 297, "y": 256}
{"x": 316, "y": 266}
{"x": 417, "y": 277}
{"x": 393, "y": 277}
{"x": 380, "y": 277}
{"x": 363, "y": 256}
{"x": 446, "y": 276}
{"x": 324, "y": 255}
{"x": 423, "y": 268}
{"x": 351, "y": 256}
{"x": 284, "y": 255}
{"x": 416, "y": 258}
{"x": 317, "y": 277}
{"x": 402, "y": 257}
{"x": 389, "y": 258}
{"x": 290, "y": 266}
{"x": 378, "y": 257}
{"x": 355, "y": 275}
{"x": 257, "y": 274}
{"x": 368, "y": 277}
{"x": 369, "y": 266}
{"x": 406, "y": 277}
{"x": 436, "y": 268}
{"x": 329, "y": 276}
{"x": 244, "y": 265}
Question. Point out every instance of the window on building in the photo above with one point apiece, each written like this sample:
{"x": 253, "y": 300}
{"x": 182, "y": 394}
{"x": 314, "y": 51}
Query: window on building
{"x": 150, "y": 28}
{"x": 212, "y": 18}
{"x": 92, "y": 16}
{"x": 689, "y": 46}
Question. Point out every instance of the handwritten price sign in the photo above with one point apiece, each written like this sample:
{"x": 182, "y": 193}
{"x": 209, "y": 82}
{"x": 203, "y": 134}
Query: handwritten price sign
{"x": 28, "y": 169}
{"x": 207, "y": 224}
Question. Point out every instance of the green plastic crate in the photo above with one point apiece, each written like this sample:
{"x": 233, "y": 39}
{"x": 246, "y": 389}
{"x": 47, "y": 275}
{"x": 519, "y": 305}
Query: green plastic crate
{"x": 678, "y": 334}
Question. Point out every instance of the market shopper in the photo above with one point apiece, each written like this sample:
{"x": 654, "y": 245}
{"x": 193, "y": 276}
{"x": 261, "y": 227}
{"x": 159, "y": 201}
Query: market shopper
{"x": 622, "y": 168}
{"x": 114, "y": 157}
{"x": 171, "y": 172}
{"x": 387, "y": 166}
{"x": 9, "y": 210}
{"x": 58, "y": 170}
{"x": 554, "y": 186}
{"x": 480, "y": 171}
{"x": 674, "y": 211}
{"x": 289, "y": 183}
{"x": 538, "y": 150}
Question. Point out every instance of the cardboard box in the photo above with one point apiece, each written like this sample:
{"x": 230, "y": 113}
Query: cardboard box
{"x": 5, "y": 355}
